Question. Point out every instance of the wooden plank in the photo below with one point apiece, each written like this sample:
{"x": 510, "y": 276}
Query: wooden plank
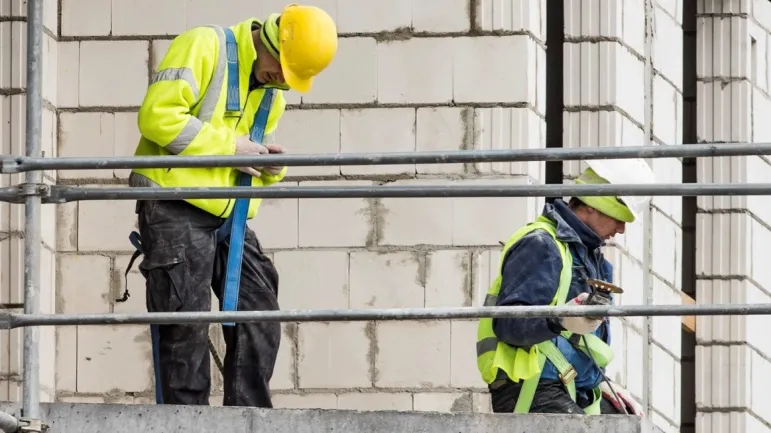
{"x": 689, "y": 322}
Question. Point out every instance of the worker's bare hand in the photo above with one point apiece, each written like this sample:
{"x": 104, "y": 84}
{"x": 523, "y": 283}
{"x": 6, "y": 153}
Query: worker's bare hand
{"x": 244, "y": 146}
{"x": 273, "y": 148}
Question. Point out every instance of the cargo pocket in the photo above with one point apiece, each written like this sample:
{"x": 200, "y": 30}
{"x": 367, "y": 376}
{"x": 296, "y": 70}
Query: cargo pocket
{"x": 166, "y": 272}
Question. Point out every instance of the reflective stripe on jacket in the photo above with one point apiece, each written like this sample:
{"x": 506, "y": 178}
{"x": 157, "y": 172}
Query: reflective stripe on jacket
{"x": 183, "y": 113}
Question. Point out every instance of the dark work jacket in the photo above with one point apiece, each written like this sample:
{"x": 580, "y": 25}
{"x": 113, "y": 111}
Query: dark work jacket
{"x": 531, "y": 273}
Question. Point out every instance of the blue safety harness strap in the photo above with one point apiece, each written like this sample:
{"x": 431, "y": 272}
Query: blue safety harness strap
{"x": 234, "y": 226}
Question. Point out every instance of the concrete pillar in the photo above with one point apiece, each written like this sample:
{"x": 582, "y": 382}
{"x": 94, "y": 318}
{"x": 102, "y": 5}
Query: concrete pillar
{"x": 732, "y": 352}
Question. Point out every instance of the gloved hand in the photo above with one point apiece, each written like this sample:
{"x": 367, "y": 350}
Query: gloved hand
{"x": 273, "y": 148}
{"x": 631, "y": 405}
{"x": 579, "y": 325}
{"x": 244, "y": 146}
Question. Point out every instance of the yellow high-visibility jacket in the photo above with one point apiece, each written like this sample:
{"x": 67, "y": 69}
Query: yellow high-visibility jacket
{"x": 183, "y": 113}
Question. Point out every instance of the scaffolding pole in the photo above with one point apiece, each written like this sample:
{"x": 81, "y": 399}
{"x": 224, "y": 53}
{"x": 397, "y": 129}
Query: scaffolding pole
{"x": 10, "y": 164}
{"x": 64, "y": 194}
{"x": 32, "y": 217}
{"x": 14, "y": 320}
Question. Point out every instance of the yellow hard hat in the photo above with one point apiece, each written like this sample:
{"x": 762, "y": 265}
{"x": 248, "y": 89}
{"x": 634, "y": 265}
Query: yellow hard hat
{"x": 307, "y": 42}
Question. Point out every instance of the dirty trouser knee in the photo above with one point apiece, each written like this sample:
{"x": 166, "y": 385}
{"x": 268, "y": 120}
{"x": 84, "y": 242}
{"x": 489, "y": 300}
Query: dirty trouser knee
{"x": 550, "y": 397}
{"x": 251, "y": 347}
{"x": 180, "y": 257}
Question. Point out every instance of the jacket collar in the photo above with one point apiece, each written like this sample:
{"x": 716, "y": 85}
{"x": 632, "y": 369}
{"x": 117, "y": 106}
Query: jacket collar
{"x": 569, "y": 227}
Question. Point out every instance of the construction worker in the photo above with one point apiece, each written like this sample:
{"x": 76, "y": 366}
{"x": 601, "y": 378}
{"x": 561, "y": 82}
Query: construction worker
{"x": 556, "y": 365}
{"x": 219, "y": 91}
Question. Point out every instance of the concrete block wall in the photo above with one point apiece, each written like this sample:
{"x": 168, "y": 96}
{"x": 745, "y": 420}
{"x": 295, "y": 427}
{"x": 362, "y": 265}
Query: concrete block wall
{"x": 13, "y": 85}
{"x": 605, "y": 104}
{"x": 406, "y": 79}
{"x": 733, "y": 356}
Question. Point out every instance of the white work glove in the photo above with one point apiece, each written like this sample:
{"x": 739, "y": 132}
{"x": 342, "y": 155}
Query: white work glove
{"x": 579, "y": 325}
{"x": 627, "y": 402}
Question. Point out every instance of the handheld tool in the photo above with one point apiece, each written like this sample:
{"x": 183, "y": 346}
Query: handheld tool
{"x": 601, "y": 293}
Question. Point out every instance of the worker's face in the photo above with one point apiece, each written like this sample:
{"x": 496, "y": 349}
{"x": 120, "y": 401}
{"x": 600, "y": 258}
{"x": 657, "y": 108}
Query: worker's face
{"x": 267, "y": 69}
{"x": 605, "y": 226}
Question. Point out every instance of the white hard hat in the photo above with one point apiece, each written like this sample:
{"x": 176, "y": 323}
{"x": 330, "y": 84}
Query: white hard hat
{"x": 618, "y": 171}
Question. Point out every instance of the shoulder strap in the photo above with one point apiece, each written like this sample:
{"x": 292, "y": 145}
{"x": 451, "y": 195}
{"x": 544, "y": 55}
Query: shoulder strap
{"x": 234, "y": 92}
{"x": 237, "y": 219}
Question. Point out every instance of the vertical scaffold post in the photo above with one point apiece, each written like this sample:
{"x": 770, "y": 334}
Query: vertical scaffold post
{"x": 32, "y": 218}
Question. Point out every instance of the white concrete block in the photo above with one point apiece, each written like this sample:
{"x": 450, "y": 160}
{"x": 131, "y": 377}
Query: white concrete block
{"x": 442, "y": 402}
{"x": 102, "y": 61}
{"x": 67, "y": 74}
{"x": 499, "y": 128}
{"x": 305, "y": 401}
{"x": 333, "y": 355}
{"x": 410, "y": 221}
{"x": 741, "y": 376}
{"x": 386, "y": 280}
{"x": 611, "y": 18}
{"x": 512, "y": 15}
{"x": 616, "y": 371}
{"x": 663, "y": 326}
{"x": 590, "y": 64}
{"x": 277, "y": 222}
{"x": 116, "y": 220}
{"x": 372, "y": 16}
{"x": 664, "y": 247}
{"x": 623, "y": 85}
{"x": 760, "y": 271}
{"x": 634, "y": 370}
{"x": 86, "y": 134}
{"x": 312, "y": 279}
{"x": 401, "y": 401}
{"x": 464, "y": 372}
{"x": 417, "y": 70}
{"x": 443, "y": 129}
{"x": 86, "y": 17}
{"x": 508, "y": 78}
{"x": 590, "y": 18}
{"x": 634, "y": 25}
{"x": 754, "y": 327}
{"x": 665, "y": 119}
{"x": 84, "y": 284}
{"x": 668, "y": 47}
{"x": 448, "y": 278}
{"x": 663, "y": 392}
{"x": 761, "y": 374}
{"x": 13, "y": 54}
{"x": 129, "y": 17}
{"x": 307, "y": 132}
{"x": 441, "y": 16}
{"x": 127, "y": 137}
{"x": 318, "y": 216}
{"x": 413, "y": 354}
{"x": 352, "y": 77}
{"x": 158, "y": 50}
{"x": 668, "y": 170}
{"x": 114, "y": 357}
{"x": 474, "y": 224}
{"x": 378, "y": 130}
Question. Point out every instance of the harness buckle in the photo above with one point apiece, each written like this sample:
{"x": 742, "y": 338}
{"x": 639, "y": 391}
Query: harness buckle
{"x": 568, "y": 375}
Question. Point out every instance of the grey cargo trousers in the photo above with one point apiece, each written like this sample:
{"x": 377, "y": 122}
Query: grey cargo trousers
{"x": 182, "y": 261}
